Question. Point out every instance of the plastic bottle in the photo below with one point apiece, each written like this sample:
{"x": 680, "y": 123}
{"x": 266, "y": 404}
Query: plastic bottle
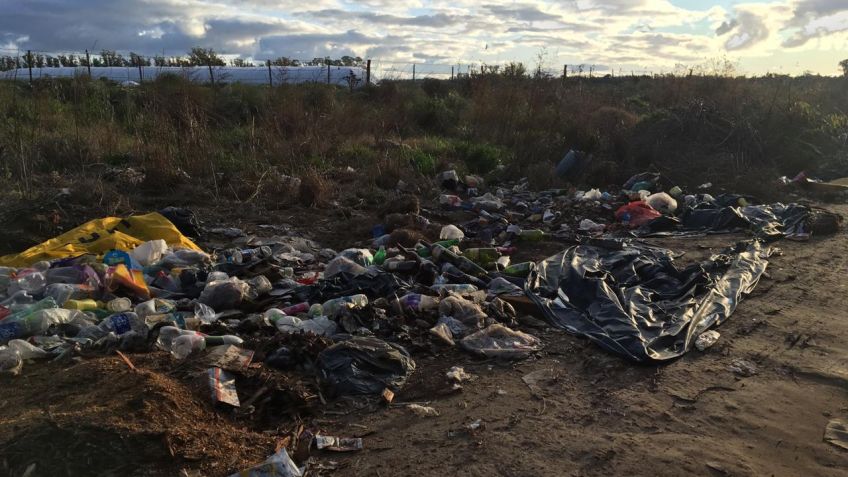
{"x": 119, "y": 304}
{"x": 380, "y": 256}
{"x": 184, "y": 345}
{"x": 424, "y": 251}
{"x": 32, "y": 282}
{"x": 416, "y": 302}
{"x": 481, "y": 256}
{"x": 296, "y": 309}
{"x": 156, "y": 306}
{"x": 518, "y": 270}
{"x": 533, "y": 235}
{"x": 84, "y": 305}
{"x": 167, "y": 335}
{"x": 400, "y": 266}
{"x": 35, "y": 321}
{"x": 331, "y": 307}
{"x": 250, "y": 254}
{"x": 444, "y": 255}
{"x": 223, "y": 340}
{"x": 460, "y": 288}
{"x": 20, "y": 297}
{"x": 121, "y": 323}
{"x": 62, "y": 292}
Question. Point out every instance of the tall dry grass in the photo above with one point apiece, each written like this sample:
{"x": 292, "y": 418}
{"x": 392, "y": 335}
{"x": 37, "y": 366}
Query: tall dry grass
{"x": 227, "y": 137}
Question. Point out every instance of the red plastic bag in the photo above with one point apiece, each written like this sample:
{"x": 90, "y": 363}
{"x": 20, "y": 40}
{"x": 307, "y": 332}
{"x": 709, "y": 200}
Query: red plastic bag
{"x": 636, "y": 213}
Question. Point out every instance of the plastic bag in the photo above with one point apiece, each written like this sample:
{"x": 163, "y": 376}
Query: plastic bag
{"x": 593, "y": 194}
{"x": 498, "y": 341}
{"x": 343, "y": 265}
{"x": 589, "y": 225}
{"x": 364, "y": 365}
{"x": 463, "y": 310}
{"x": 662, "y": 202}
{"x": 224, "y": 294}
{"x": 451, "y": 232}
{"x": 361, "y": 256}
{"x": 149, "y": 252}
{"x": 278, "y": 465}
{"x": 636, "y": 213}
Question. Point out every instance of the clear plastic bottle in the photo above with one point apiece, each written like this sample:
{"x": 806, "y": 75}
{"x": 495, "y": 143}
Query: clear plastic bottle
{"x": 167, "y": 335}
{"x": 185, "y": 345}
{"x": 62, "y": 292}
{"x": 121, "y": 323}
{"x": 416, "y": 302}
{"x": 31, "y": 282}
{"x": 331, "y": 307}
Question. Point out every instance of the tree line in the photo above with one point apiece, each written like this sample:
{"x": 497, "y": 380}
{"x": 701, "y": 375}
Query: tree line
{"x": 196, "y": 57}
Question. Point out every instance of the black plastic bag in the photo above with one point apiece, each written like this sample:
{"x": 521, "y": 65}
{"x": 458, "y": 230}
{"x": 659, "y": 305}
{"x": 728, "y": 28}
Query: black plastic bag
{"x": 364, "y": 365}
{"x": 634, "y": 302}
{"x": 183, "y": 219}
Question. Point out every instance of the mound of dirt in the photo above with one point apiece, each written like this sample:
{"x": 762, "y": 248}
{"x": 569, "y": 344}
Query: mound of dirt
{"x": 100, "y": 414}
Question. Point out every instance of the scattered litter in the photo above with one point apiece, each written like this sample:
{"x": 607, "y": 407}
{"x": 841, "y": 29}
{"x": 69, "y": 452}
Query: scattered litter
{"x": 706, "y": 339}
{"x": 537, "y": 379}
{"x": 422, "y": 411}
{"x": 338, "y": 444}
{"x": 498, "y": 341}
{"x": 458, "y": 374}
{"x": 743, "y": 367}
{"x": 363, "y": 365}
{"x": 278, "y": 465}
{"x": 223, "y": 386}
{"x": 836, "y": 433}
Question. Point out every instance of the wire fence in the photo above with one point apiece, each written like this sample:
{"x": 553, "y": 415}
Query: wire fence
{"x": 127, "y": 66}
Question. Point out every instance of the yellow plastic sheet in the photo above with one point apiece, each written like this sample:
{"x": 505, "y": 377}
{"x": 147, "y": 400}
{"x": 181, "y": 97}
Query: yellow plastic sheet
{"x": 101, "y": 235}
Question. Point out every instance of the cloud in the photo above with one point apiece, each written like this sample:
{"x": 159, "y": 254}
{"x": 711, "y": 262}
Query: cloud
{"x": 746, "y": 30}
{"x": 815, "y": 19}
{"x": 628, "y": 34}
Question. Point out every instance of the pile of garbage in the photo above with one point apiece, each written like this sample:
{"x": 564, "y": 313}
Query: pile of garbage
{"x": 141, "y": 284}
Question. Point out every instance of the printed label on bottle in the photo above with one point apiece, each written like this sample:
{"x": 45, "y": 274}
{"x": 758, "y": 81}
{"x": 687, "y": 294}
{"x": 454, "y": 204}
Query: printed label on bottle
{"x": 121, "y": 323}
{"x": 10, "y": 331}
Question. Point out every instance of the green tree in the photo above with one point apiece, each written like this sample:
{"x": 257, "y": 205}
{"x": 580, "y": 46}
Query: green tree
{"x": 844, "y": 65}
{"x": 285, "y": 61}
{"x": 204, "y": 57}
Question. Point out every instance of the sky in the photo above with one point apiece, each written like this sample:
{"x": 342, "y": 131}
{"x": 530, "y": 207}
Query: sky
{"x": 755, "y": 36}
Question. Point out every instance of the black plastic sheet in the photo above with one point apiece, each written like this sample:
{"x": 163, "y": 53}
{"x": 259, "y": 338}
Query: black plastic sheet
{"x": 364, "y": 365}
{"x": 635, "y": 302}
{"x": 771, "y": 221}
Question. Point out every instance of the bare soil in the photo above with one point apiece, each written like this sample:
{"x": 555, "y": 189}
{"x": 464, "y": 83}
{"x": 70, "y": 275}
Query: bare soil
{"x": 586, "y": 412}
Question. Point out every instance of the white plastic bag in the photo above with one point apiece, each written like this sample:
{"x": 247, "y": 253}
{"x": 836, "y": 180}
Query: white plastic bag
{"x": 149, "y": 252}
{"x": 451, "y": 232}
{"x": 662, "y": 202}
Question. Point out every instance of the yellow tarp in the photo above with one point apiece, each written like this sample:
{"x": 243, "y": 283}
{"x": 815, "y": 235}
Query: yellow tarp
{"x": 101, "y": 235}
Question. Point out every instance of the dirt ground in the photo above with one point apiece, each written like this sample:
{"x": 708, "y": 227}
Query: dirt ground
{"x": 584, "y": 411}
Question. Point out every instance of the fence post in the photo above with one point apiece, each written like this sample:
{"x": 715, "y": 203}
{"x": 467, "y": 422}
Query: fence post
{"x": 565, "y": 71}
{"x": 270, "y": 78}
{"x": 140, "y": 70}
{"x": 88, "y": 63}
{"x": 29, "y": 64}
{"x": 451, "y": 72}
{"x": 413, "y": 72}
{"x": 211, "y": 76}
{"x": 368, "y": 73}
{"x": 328, "y": 73}
{"x": 482, "y": 70}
